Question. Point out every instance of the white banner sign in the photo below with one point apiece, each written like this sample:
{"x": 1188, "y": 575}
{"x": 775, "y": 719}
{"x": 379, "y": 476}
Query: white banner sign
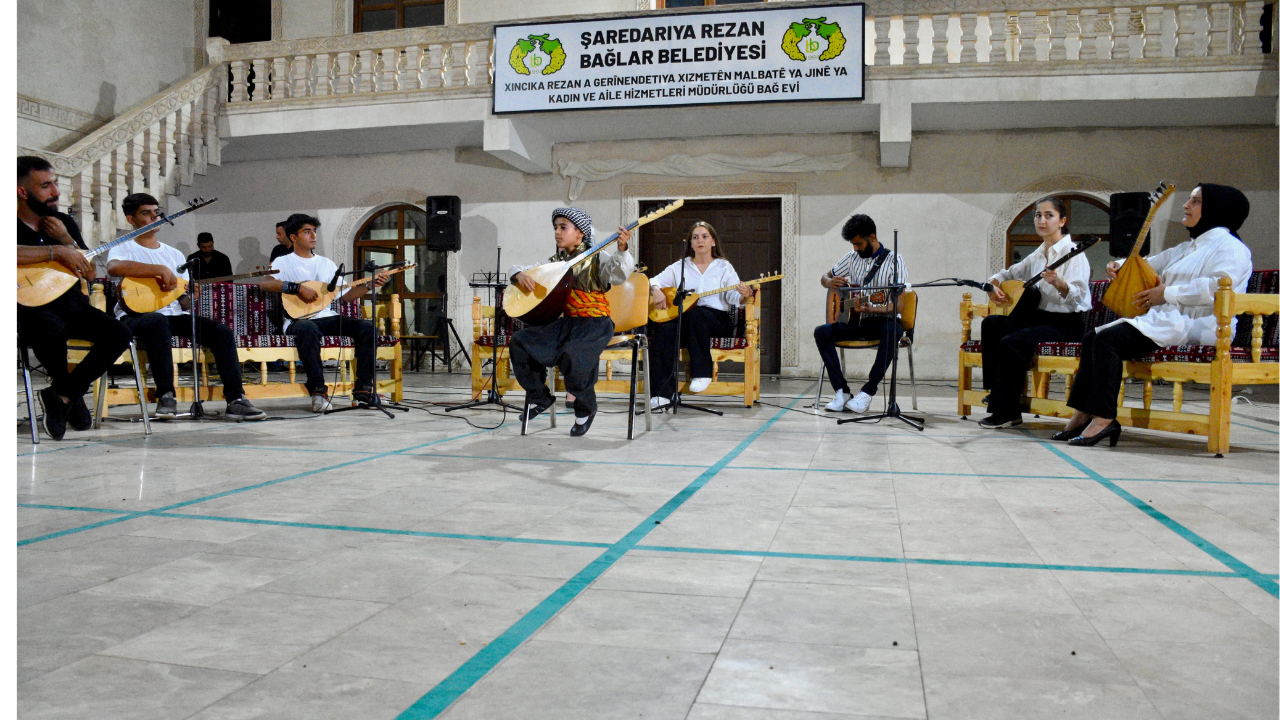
{"x": 766, "y": 55}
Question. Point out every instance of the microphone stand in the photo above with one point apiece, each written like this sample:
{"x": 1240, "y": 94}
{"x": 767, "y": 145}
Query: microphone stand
{"x": 494, "y": 395}
{"x": 377, "y": 398}
{"x": 681, "y": 293}
{"x": 892, "y": 411}
{"x": 196, "y": 411}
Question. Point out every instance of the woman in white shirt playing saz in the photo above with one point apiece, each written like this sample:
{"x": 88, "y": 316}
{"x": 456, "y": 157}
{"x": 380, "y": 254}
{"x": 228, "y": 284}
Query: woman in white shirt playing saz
{"x": 1179, "y": 311}
{"x": 705, "y": 268}
{"x": 1009, "y": 345}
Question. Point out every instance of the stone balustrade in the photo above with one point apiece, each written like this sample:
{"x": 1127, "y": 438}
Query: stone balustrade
{"x": 928, "y": 32}
{"x": 354, "y": 67}
{"x": 156, "y": 147}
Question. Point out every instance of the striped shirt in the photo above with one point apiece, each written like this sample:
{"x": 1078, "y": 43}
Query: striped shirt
{"x": 854, "y": 268}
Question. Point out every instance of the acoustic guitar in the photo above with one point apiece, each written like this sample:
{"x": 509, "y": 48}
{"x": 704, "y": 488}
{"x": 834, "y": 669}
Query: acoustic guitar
{"x": 553, "y": 280}
{"x": 45, "y": 282}
{"x": 143, "y": 295}
{"x": 298, "y": 309}
{"x": 669, "y": 312}
{"x": 1136, "y": 274}
{"x": 1025, "y": 296}
{"x": 842, "y": 300}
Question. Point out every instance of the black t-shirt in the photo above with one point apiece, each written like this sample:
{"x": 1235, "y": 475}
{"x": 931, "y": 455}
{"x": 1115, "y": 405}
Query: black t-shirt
{"x": 279, "y": 250}
{"x": 27, "y": 236}
{"x": 217, "y": 266}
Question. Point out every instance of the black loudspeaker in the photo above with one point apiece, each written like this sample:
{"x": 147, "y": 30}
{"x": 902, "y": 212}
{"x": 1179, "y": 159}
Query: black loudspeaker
{"x": 443, "y": 215}
{"x": 1128, "y": 212}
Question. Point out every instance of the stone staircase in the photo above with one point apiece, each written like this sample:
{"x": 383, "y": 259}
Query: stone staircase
{"x": 157, "y": 147}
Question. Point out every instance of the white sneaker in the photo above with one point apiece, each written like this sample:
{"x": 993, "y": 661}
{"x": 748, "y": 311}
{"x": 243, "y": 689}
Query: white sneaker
{"x": 697, "y": 385}
{"x": 859, "y": 403}
{"x": 657, "y": 403}
{"x": 839, "y": 401}
{"x": 320, "y": 403}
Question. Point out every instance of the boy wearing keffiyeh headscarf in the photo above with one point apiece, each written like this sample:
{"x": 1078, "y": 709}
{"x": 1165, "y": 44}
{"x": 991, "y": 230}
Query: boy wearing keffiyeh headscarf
{"x": 574, "y": 341}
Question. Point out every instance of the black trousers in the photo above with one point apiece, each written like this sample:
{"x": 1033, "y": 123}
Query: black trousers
{"x": 1008, "y": 347}
{"x": 574, "y": 345}
{"x": 308, "y": 334}
{"x": 1096, "y": 388}
{"x": 698, "y": 325}
{"x": 887, "y": 330}
{"x": 47, "y": 328}
{"x": 155, "y": 333}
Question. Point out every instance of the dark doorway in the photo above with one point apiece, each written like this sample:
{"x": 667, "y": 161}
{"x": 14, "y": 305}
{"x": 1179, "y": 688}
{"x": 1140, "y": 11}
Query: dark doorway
{"x": 240, "y": 21}
{"x": 751, "y": 238}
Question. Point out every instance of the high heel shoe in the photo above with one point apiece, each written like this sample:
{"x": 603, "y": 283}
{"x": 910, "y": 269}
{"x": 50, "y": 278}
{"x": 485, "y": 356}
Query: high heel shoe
{"x": 1111, "y": 431}
{"x": 1066, "y": 435}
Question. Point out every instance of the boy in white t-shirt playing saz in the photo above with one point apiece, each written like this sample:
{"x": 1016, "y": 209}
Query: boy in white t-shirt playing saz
{"x": 300, "y": 266}
{"x": 147, "y": 257}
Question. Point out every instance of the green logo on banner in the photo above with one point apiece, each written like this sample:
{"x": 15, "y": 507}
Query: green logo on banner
{"x": 537, "y": 55}
{"x": 812, "y": 39}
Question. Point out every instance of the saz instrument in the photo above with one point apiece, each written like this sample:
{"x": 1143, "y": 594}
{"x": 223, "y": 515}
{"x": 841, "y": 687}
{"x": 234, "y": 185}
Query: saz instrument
{"x": 45, "y": 282}
{"x": 669, "y": 313}
{"x": 841, "y": 302}
{"x": 143, "y": 295}
{"x": 1025, "y": 296}
{"x": 297, "y": 309}
{"x": 553, "y": 280}
{"x": 1136, "y": 274}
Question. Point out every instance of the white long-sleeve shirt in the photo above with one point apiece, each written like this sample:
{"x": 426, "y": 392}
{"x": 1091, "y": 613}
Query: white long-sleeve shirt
{"x": 719, "y": 273}
{"x": 1190, "y": 272}
{"x": 1075, "y": 272}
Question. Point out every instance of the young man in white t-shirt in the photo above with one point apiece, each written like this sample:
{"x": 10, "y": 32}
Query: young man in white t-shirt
{"x": 147, "y": 257}
{"x": 301, "y": 266}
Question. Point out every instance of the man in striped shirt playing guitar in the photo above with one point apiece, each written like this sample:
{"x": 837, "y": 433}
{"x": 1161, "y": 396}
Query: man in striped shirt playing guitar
{"x": 868, "y": 264}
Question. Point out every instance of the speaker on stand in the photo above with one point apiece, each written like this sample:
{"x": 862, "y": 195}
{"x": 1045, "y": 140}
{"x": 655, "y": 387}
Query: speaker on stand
{"x": 444, "y": 234}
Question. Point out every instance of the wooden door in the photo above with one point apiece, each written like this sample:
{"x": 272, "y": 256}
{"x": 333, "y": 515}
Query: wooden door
{"x": 750, "y": 237}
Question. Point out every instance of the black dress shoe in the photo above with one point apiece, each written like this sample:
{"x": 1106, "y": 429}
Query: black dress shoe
{"x": 55, "y": 413}
{"x": 1111, "y": 431}
{"x": 534, "y": 410}
{"x": 993, "y": 422}
{"x": 1066, "y": 435}
{"x": 568, "y": 404}
{"x": 580, "y": 429}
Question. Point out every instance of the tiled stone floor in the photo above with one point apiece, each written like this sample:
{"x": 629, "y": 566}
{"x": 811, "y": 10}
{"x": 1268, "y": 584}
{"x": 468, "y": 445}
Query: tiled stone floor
{"x": 767, "y": 565}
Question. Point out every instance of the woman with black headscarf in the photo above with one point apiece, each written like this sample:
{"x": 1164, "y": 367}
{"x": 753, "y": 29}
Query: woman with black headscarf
{"x": 1179, "y": 311}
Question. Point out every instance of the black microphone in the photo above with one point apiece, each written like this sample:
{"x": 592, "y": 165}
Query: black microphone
{"x": 983, "y": 286}
{"x": 184, "y": 266}
{"x": 334, "y": 282}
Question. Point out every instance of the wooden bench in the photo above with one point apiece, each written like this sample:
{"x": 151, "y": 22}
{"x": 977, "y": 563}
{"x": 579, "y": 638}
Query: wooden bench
{"x": 1251, "y": 360}
{"x": 246, "y": 309}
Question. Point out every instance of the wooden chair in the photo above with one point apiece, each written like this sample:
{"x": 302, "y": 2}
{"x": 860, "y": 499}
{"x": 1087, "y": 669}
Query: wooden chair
{"x": 489, "y": 342}
{"x": 908, "y": 317}
{"x": 1218, "y": 366}
{"x": 745, "y": 350}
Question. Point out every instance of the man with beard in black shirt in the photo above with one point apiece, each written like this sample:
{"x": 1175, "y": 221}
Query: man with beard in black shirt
{"x": 46, "y": 235}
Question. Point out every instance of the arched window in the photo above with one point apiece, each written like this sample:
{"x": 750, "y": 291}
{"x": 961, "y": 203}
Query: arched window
{"x": 1085, "y": 216}
{"x": 399, "y": 233}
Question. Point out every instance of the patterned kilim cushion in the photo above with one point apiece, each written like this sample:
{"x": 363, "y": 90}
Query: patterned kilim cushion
{"x": 735, "y": 343}
{"x": 1265, "y": 282}
{"x": 329, "y": 341}
{"x": 1100, "y": 314}
{"x": 972, "y": 346}
{"x": 487, "y": 340}
{"x": 1058, "y": 349}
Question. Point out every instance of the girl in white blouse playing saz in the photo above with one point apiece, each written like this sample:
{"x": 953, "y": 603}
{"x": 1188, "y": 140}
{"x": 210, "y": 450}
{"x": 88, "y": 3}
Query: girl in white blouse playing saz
{"x": 1179, "y": 311}
{"x": 1009, "y": 346}
{"x": 704, "y": 269}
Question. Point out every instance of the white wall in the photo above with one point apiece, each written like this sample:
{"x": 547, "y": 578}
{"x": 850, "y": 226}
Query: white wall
{"x": 309, "y": 18}
{"x": 100, "y": 56}
{"x": 943, "y": 206}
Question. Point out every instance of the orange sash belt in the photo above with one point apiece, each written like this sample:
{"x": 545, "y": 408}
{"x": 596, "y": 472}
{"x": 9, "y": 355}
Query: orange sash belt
{"x": 582, "y": 303}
